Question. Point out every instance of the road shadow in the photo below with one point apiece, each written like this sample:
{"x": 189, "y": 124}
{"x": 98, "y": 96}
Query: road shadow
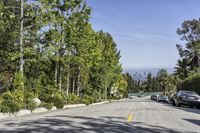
{"x": 197, "y": 122}
{"x": 80, "y": 124}
{"x": 185, "y": 108}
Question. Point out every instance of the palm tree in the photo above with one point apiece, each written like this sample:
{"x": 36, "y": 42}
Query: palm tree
{"x": 192, "y": 54}
{"x": 181, "y": 69}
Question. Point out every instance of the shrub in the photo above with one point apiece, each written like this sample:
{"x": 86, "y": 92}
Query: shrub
{"x": 73, "y": 99}
{"x": 47, "y": 94}
{"x": 86, "y": 101}
{"x": 58, "y": 100}
{"x": 18, "y": 81}
{"x": 18, "y": 96}
{"x": 7, "y": 96}
{"x": 8, "y": 104}
{"x": 90, "y": 98}
{"x": 47, "y": 105}
{"x": 191, "y": 83}
{"x": 30, "y": 103}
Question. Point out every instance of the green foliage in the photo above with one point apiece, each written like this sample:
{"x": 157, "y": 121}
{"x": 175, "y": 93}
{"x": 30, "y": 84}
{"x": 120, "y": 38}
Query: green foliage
{"x": 191, "y": 83}
{"x": 18, "y": 96}
{"x": 73, "y": 99}
{"x": 8, "y": 105}
{"x": 18, "y": 81}
{"x": 47, "y": 94}
{"x": 87, "y": 99}
{"x": 86, "y": 102}
{"x": 61, "y": 51}
{"x": 47, "y": 105}
{"x": 190, "y": 51}
{"x": 58, "y": 100}
{"x": 30, "y": 103}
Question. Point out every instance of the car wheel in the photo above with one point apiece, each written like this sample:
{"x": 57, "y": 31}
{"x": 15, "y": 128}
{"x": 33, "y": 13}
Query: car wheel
{"x": 198, "y": 107}
{"x": 178, "y": 104}
{"x": 173, "y": 103}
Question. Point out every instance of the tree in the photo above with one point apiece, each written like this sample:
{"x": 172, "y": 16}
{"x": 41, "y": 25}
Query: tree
{"x": 149, "y": 83}
{"x": 162, "y": 77}
{"x": 191, "y": 52}
{"x": 181, "y": 69}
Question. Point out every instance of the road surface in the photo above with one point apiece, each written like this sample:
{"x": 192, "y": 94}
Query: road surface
{"x": 128, "y": 116}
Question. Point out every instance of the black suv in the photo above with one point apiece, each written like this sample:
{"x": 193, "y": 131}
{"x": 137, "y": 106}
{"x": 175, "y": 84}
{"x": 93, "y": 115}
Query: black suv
{"x": 184, "y": 97}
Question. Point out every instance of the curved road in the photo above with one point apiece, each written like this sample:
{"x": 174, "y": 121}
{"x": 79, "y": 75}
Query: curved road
{"x": 127, "y": 116}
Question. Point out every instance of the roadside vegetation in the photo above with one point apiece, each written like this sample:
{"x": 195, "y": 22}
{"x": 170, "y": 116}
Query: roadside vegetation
{"x": 50, "y": 52}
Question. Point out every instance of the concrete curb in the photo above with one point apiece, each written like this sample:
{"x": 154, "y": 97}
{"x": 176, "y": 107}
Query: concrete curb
{"x": 40, "y": 110}
{"x": 73, "y": 106}
{"x": 99, "y": 103}
{"x": 23, "y": 112}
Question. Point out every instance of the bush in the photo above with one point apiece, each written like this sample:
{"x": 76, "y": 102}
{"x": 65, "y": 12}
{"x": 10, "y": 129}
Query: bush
{"x": 47, "y": 105}
{"x": 73, "y": 99}
{"x": 47, "y": 94}
{"x": 87, "y": 99}
{"x": 30, "y": 103}
{"x": 8, "y": 104}
{"x": 192, "y": 83}
{"x": 58, "y": 100}
{"x": 18, "y": 81}
{"x": 18, "y": 96}
{"x": 90, "y": 98}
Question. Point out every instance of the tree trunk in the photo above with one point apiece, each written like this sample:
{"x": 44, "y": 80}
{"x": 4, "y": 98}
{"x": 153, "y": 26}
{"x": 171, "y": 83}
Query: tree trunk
{"x": 73, "y": 85}
{"x": 56, "y": 73}
{"x": 60, "y": 78}
{"x": 105, "y": 91}
{"x": 61, "y": 54}
{"x": 21, "y": 67}
{"x": 78, "y": 82}
{"x": 67, "y": 89}
{"x": 99, "y": 94}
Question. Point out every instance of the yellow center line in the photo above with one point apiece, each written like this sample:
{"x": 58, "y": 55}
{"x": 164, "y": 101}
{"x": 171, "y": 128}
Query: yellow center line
{"x": 130, "y": 117}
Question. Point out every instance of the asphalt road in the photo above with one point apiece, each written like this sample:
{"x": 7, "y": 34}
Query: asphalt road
{"x": 129, "y": 116}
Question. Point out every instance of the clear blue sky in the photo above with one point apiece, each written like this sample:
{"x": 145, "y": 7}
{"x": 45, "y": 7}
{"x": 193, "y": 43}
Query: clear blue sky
{"x": 144, "y": 30}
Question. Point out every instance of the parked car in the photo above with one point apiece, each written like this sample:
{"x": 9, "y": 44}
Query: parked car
{"x": 163, "y": 98}
{"x": 184, "y": 97}
{"x": 131, "y": 96}
{"x": 154, "y": 97}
